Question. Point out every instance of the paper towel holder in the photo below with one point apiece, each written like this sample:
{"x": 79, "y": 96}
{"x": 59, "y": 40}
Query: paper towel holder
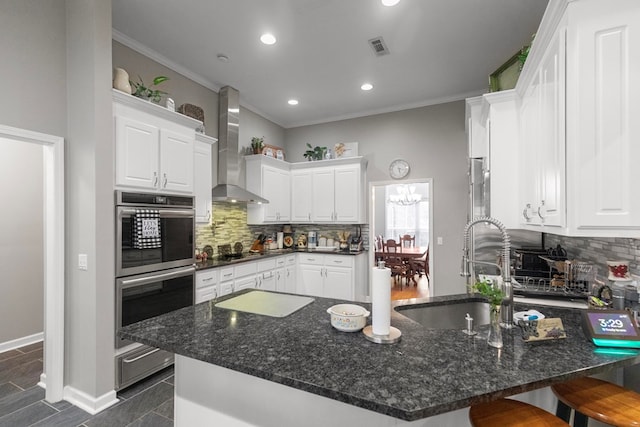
{"x": 393, "y": 337}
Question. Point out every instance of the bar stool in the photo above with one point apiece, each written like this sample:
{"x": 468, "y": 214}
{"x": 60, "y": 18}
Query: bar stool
{"x": 599, "y": 400}
{"x": 512, "y": 413}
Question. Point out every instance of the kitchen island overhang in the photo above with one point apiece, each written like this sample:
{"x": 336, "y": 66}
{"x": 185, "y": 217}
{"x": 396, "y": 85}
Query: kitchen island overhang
{"x": 428, "y": 372}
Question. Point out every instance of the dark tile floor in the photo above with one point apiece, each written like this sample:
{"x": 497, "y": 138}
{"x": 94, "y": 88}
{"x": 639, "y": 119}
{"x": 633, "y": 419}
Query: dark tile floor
{"x": 22, "y": 404}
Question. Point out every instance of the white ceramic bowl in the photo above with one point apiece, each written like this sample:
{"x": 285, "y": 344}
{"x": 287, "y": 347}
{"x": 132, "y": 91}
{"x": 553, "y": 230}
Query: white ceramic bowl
{"x": 348, "y": 317}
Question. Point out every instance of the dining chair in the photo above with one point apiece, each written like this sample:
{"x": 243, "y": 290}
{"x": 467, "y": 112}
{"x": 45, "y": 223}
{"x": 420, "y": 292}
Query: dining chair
{"x": 400, "y": 268}
{"x": 408, "y": 241}
{"x": 420, "y": 266}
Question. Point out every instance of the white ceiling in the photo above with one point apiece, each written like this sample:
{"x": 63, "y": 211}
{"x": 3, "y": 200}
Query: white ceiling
{"x": 441, "y": 50}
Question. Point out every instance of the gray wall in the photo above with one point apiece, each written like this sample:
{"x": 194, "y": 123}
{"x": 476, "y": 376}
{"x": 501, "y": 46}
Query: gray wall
{"x": 21, "y": 240}
{"x": 433, "y": 140}
{"x": 33, "y": 73}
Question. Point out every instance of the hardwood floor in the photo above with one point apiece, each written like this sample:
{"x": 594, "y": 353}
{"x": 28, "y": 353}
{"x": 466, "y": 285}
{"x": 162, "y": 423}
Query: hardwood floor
{"x": 22, "y": 404}
{"x": 404, "y": 291}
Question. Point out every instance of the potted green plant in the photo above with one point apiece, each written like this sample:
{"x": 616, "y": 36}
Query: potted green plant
{"x": 141, "y": 90}
{"x": 494, "y": 296}
{"x": 315, "y": 153}
{"x": 257, "y": 144}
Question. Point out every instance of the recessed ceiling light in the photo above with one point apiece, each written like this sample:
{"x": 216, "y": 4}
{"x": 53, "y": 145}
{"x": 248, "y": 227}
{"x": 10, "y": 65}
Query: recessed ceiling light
{"x": 222, "y": 57}
{"x": 268, "y": 38}
{"x": 366, "y": 86}
{"x": 293, "y": 102}
{"x": 390, "y": 2}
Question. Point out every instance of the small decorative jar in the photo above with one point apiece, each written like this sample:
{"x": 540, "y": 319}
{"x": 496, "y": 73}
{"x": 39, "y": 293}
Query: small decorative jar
{"x": 121, "y": 81}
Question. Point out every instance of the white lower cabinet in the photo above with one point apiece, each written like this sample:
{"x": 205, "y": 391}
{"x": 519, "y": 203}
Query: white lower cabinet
{"x": 321, "y": 275}
{"x": 328, "y": 276}
{"x": 206, "y": 285}
{"x": 226, "y": 281}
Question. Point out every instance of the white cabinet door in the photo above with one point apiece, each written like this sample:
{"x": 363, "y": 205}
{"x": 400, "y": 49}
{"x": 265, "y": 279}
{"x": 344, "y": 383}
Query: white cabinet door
{"x": 226, "y": 288}
{"x": 310, "y": 280}
{"x": 206, "y": 294}
{"x": 602, "y": 120}
{"x": 203, "y": 181}
{"x": 267, "y": 281}
{"x": 338, "y": 283}
{"x": 137, "y": 153}
{"x": 176, "y": 161}
{"x": 322, "y": 188}
{"x": 301, "y": 196}
{"x": 247, "y": 282}
{"x": 542, "y": 171}
{"x": 347, "y": 194}
{"x": 275, "y": 188}
{"x": 281, "y": 284}
{"x": 290, "y": 279}
{"x": 551, "y": 165}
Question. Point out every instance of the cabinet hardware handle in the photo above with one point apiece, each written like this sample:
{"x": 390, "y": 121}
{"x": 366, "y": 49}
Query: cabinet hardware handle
{"x": 228, "y": 275}
{"x": 525, "y": 212}
{"x": 165, "y": 181}
{"x": 148, "y": 353}
{"x": 208, "y": 215}
{"x": 155, "y": 179}
{"x": 206, "y": 279}
{"x": 542, "y": 211}
{"x": 309, "y": 216}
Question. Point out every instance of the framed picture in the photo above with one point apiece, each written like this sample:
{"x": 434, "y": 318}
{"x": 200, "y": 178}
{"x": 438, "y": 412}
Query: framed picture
{"x": 506, "y": 76}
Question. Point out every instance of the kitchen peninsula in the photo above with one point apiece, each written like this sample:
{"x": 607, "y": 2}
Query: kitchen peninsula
{"x": 243, "y": 369}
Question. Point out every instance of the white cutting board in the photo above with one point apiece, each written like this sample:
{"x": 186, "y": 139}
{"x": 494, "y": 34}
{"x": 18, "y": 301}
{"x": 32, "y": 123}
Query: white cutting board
{"x": 266, "y": 303}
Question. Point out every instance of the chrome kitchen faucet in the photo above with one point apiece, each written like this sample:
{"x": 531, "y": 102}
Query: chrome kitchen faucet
{"x": 505, "y": 270}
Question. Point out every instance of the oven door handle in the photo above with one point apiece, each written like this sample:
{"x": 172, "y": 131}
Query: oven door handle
{"x": 164, "y": 213}
{"x": 156, "y": 277}
{"x": 148, "y": 353}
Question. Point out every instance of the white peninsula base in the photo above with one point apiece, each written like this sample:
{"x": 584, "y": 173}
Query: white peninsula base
{"x": 209, "y": 395}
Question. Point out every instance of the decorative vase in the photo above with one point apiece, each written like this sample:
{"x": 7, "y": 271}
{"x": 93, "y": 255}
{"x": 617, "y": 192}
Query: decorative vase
{"x": 494, "y": 339}
{"x": 121, "y": 81}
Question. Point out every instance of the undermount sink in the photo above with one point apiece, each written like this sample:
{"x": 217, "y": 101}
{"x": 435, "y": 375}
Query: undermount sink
{"x": 449, "y": 315}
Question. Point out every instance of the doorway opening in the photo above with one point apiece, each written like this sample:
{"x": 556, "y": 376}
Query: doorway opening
{"x": 397, "y": 209}
{"x": 52, "y": 377}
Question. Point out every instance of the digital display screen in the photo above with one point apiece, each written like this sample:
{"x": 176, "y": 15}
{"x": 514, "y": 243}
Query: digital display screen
{"x": 614, "y": 324}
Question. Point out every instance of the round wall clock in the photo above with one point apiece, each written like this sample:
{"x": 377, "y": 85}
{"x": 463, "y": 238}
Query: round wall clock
{"x": 399, "y": 168}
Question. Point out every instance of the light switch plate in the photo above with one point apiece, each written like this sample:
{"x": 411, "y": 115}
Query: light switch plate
{"x": 83, "y": 263}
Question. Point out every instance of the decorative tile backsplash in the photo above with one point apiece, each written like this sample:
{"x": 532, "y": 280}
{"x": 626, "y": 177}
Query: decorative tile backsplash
{"x": 599, "y": 250}
{"x": 229, "y": 225}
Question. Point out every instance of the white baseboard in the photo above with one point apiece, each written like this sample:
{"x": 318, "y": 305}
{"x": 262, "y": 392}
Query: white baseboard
{"x": 87, "y": 403}
{"x": 21, "y": 342}
{"x": 43, "y": 381}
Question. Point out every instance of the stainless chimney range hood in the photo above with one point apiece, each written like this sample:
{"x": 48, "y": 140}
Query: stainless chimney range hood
{"x": 228, "y": 188}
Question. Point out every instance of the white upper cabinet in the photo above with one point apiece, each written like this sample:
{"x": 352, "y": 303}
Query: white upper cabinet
{"x": 270, "y": 179}
{"x": 301, "y": 196}
{"x": 542, "y": 141}
{"x": 603, "y": 129}
{"x": 328, "y": 191}
{"x": 203, "y": 171}
{"x": 337, "y": 193}
{"x": 154, "y": 147}
{"x": 578, "y": 121}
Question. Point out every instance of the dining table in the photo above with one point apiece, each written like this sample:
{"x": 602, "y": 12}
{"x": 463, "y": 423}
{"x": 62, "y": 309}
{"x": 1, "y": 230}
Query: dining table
{"x": 408, "y": 253}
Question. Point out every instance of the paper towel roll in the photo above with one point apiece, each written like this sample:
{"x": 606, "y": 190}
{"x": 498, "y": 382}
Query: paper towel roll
{"x": 381, "y": 300}
{"x": 280, "y": 239}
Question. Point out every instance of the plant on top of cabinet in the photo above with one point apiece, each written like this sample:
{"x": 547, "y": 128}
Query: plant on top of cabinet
{"x": 315, "y": 153}
{"x": 142, "y": 91}
{"x": 257, "y": 144}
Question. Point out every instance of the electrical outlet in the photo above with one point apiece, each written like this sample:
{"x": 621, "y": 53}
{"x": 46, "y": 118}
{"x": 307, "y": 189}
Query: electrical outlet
{"x": 440, "y": 241}
{"x": 83, "y": 263}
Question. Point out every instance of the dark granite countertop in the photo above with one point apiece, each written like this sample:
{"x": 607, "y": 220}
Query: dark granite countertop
{"x": 249, "y": 256}
{"x": 427, "y": 373}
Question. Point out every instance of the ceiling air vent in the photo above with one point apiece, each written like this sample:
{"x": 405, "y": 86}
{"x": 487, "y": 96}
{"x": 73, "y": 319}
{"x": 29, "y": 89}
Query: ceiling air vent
{"x": 379, "y": 46}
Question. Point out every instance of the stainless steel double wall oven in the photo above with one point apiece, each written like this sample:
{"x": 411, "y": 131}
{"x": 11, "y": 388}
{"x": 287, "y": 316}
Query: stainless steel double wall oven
{"x": 155, "y": 243}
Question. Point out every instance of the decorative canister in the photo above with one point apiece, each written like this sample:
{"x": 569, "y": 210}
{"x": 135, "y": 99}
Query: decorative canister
{"x": 121, "y": 81}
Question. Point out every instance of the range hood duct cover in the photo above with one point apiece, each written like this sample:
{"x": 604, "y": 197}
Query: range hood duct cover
{"x": 228, "y": 188}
